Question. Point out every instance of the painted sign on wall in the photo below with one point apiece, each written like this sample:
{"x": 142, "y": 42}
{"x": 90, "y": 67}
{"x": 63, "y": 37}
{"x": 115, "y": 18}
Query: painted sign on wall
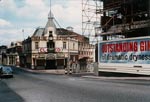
{"x": 125, "y": 51}
{"x": 42, "y": 50}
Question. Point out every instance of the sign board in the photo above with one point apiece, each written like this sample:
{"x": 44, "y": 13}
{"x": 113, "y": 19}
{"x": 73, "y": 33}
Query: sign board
{"x": 134, "y": 51}
{"x": 42, "y": 50}
{"x": 60, "y": 55}
{"x": 51, "y": 56}
{"x": 58, "y": 49}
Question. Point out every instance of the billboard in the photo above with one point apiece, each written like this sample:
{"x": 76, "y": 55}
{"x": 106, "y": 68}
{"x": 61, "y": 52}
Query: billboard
{"x": 134, "y": 51}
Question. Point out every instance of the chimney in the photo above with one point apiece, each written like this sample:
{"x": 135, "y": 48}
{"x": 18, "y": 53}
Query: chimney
{"x": 70, "y": 28}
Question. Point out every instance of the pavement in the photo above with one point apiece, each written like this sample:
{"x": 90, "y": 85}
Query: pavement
{"x": 87, "y": 75}
{"x": 58, "y": 72}
{"x": 118, "y": 78}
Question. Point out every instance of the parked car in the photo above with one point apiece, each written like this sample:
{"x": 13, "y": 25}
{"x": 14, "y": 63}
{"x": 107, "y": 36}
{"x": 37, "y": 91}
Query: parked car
{"x": 6, "y": 71}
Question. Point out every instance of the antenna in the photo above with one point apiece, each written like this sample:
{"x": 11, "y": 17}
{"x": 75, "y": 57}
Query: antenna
{"x": 50, "y": 15}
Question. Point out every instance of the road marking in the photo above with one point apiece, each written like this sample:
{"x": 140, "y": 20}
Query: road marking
{"x": 72, "y": 79}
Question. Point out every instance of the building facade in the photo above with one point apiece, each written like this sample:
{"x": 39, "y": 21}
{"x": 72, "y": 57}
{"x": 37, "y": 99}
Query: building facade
{"x": 3, "y": 52}
{"x": 50, "y": 48}
{"x": 56, "y": 48}
{"x": 11, "y": 55}
{"x": 14, "y": 54}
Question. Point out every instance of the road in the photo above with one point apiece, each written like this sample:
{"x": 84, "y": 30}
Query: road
{"x": 34, "y": 87}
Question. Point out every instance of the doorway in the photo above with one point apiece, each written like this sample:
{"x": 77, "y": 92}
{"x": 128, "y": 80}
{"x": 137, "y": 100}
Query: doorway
{"x": 51, "y": 64}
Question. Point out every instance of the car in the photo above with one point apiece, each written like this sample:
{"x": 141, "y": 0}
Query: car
{"x": 6, "y": 71}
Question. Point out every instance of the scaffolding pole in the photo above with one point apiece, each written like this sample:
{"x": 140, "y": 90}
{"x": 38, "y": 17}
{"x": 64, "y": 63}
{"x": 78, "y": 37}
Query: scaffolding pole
{"x": 91, "y": 13}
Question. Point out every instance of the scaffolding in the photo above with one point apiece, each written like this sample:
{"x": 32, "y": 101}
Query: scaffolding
{"x": 125, "y": 19}
{"x": 92, "y": 10}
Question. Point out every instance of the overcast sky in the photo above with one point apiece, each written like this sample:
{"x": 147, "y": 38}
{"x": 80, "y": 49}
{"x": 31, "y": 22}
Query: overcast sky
{"x": 16, "y": 15}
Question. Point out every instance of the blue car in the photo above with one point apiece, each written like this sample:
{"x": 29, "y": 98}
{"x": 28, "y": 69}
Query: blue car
{"x": 6, "y": 71}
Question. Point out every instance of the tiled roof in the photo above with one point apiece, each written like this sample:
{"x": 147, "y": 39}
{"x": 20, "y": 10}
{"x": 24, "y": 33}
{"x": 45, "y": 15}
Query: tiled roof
{"x": 62, "y": 31}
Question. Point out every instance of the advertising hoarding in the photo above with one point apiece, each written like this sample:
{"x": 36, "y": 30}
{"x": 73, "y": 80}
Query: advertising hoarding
{"x": 134, "y": 51}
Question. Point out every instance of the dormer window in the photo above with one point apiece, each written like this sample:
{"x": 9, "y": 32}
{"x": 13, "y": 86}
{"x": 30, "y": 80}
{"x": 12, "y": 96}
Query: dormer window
{"x": 50, "y": 32}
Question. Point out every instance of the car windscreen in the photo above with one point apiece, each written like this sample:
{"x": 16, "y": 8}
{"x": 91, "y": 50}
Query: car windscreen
{"x": 7, "y": 69}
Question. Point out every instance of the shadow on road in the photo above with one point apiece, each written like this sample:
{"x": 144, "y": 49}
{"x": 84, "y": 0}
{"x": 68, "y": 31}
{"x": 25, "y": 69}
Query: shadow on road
{"x": 8, "y": 95}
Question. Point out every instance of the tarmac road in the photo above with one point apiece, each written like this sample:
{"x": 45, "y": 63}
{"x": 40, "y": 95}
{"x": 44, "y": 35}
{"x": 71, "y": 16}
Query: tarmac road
{"x": 34, "y": 87}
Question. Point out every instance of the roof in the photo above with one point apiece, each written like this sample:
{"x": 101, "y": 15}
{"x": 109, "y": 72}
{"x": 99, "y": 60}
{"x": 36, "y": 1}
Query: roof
{"x": 3, "y": 47}
{"x": 62, "y": 31}
{"x": 50, "y": 23}
{"x": 38, "y": 32}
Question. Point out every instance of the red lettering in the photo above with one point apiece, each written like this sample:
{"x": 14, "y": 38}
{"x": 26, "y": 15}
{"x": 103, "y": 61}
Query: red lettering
{"x": 120, "y": 47}
{"x": 145, "y": 46}
{"x": 135, "y": 46}
{"x": 124, "y": 47}
{"x": 114, "y": 47}
{"x": 117, "y": 48}
{"x": 148, "y": 46}
{"x": 110, "y": 48}
{"x": 142, "y": 46}
{"x": 130, "y": 46}
{"x": 104, "y": 48}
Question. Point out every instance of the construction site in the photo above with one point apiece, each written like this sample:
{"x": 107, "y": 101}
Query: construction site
{"x": 125, "y": 19}
{"x": 122, "y": 33}
{"x": 116, "y": 19}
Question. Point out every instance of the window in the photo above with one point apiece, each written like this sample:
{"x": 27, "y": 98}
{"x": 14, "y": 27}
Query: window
{"x": 50, "y": 32}
{"x": 36, "y": 45}
{"x": 50, "y": 45}
{"x": 73, "y": 46}
{"x": 64, "y": 45}
{"x": 50, "y": 35}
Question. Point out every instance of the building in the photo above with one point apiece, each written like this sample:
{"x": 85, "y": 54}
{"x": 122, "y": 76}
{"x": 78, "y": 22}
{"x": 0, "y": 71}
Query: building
{"x": 14, "y": 54}
{"x": 50, "y": 47}
{"x": 86, "y": 52}
{"x": 55, "y": 48}
{"x": 125, "y": 36}
{"x": 3, "y": 57}
{"x": 125, "y": 19}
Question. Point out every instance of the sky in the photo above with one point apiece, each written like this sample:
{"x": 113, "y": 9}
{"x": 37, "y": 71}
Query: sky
{"x": 20, "y": 18}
